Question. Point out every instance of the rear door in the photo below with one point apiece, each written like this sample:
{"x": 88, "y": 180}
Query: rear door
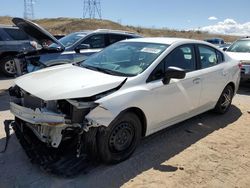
{"x": 214, "y": 75}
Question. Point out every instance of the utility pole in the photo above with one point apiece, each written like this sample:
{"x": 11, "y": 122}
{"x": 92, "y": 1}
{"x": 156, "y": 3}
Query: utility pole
{"x": 29, "y": 9}
{"x": 91, "y": 8}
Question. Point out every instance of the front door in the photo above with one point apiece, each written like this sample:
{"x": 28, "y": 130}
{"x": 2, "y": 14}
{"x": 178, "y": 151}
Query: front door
{"x": 175, "y": 101}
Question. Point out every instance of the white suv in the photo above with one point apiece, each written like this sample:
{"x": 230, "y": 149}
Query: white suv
{"x": 129, "y": 90}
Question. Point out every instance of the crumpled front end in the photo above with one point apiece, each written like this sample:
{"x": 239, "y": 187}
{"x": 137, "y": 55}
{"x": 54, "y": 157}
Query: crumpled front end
{"x": 51, "y": 121}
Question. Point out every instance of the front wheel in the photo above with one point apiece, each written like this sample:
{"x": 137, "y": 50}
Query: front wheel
{"x": 7, "y": 65}
{"x": 118, "y": 141}
{"x": 225, "y": 100}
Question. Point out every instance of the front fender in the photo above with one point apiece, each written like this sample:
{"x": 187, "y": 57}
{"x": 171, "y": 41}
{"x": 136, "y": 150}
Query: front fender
{"x": 100, "y": 116}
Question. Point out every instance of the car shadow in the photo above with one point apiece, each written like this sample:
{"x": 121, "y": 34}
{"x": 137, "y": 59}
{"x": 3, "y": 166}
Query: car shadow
{"x": 3, "y": 77}
{"x": 4, "y": 98}
{"x": 244, "y": 88}
{"x": 157, "y": 149}
{"x": 153, "y": 151}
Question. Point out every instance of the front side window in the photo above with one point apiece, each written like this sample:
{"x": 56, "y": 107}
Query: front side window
{"x": 209, "y": 56}
{"x": 240, "y": 46}
{"x": 125, "y": 58}
{"x": 96, "y": 41}
{"x": 71, "y": 39}
{"x": 182, "y": 57}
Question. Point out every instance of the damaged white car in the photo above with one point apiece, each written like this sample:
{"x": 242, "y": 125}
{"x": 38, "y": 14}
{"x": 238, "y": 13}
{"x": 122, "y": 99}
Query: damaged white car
{"x": 127, "y": 91}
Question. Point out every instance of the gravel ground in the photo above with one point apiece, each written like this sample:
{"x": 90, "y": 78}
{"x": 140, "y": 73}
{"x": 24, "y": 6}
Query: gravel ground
{"x": 206, "y": 151}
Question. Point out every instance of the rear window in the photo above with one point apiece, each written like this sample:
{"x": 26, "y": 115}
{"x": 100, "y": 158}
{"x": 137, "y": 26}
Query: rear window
{"x": 15, "y": 34}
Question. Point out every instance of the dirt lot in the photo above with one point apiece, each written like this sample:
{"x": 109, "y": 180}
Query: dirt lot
{"x": 205, "y": 151}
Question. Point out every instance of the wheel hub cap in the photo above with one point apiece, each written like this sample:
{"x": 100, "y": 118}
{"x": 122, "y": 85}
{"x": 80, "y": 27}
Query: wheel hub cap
{"x": 226, "y": 99}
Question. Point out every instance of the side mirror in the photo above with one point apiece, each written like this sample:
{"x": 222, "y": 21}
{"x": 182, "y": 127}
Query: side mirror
{"x": 224, "y": 49}
{"x": 173, "y": 72}
{"x": 82, "y": 47}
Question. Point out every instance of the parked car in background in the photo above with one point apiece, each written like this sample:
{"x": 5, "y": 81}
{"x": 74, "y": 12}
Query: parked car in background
{"x": 12, "y": 41}
{"x": 129, "y": 90}
{"x": 224, "y": 46}
{"x": 72, "y": 48}
{"x": 215, "y": 41}
{"x": 59, "y": 36}
{"x": 240, "y": 50}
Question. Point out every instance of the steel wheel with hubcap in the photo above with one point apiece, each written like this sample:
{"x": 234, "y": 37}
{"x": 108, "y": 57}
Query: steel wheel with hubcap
{"x": 225, "y": 100}
{"x": 119, "y": 140}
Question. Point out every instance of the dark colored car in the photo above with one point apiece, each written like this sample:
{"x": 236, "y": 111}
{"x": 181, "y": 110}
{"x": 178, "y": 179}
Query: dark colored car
{"x": 72, "y": 48}
{"x": 12, "y": 41}
{"x": 215, "y": 41}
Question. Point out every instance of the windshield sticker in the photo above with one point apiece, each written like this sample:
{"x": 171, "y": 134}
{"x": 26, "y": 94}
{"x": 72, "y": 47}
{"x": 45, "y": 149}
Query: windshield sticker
{"x": 151, "y": 50}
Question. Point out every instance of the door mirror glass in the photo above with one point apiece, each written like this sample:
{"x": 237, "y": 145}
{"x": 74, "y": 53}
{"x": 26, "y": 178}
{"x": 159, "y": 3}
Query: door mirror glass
{"x": 173, "y": 72}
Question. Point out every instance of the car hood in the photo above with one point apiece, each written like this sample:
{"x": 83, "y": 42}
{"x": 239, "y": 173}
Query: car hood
{"x": 67, "y": 82}
{"x": 36, "y": 31}
{"x": 239, "y": 56}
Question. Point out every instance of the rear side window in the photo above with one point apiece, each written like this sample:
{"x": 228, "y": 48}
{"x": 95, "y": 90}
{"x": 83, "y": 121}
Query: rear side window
{"x": 15, "y": 34}
{"x": 115, "y": 38}
{"x": 96, "y": 41}
{"x": 220, "y": 57}
{"x": 209, "y": 56}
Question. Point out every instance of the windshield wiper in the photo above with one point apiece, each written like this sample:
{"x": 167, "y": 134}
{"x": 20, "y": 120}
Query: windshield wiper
{"x": 107, "y": 71}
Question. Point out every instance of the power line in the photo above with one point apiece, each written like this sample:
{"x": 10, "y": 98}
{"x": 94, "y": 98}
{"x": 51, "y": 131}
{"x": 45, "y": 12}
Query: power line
{"x": 91, "y": 9}
{"x": 29, "y": 9}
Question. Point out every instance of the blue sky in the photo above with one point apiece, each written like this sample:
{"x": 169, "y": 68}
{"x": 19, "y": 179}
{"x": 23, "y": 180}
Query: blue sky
{"x": 174, "y": 14}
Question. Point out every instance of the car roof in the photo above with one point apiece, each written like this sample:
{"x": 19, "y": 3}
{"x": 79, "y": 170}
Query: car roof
{"x": 120, "y": 32}
{"x": 8, "y": 26}
{"x": 162, "y": 40}
{"x": 243, "y": 39}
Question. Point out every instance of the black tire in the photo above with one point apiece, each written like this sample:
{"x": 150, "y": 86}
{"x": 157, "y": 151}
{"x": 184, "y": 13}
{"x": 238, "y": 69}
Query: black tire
{"x": 119, "y": 140}
{"x": 225, "y": 100}
{"x": 7, "y": 66}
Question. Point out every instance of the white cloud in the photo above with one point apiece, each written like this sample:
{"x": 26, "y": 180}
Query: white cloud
{"x": 212, "y": 18}
{"x": 228, "y": 27}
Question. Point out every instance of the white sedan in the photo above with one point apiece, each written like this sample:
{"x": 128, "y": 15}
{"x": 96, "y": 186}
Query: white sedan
{"x": 127, "y": 91}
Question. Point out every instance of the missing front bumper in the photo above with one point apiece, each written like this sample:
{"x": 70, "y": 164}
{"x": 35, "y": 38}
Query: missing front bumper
{"x": 47, "y": 126}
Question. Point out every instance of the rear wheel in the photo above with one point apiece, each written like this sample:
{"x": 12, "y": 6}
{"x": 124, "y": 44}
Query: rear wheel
{"x": 7, "y": 65}
{"x": 118, "y": 141}
{"x": 225, "y": 100}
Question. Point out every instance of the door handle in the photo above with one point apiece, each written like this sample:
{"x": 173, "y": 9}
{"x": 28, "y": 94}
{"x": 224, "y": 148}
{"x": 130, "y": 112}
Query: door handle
{"x": 196, "y": 80}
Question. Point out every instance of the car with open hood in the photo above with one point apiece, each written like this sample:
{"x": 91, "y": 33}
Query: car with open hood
{"x": 240, "y": 50}
{"x": 131, "y": 89}
{"x": 72, "y": 48}
{"x": 12, "y": 41}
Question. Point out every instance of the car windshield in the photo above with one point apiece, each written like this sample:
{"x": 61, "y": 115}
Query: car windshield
{"x": 240, "y": 46}
{"x": 70, "y": 39}
{"x": 125, "y": 58}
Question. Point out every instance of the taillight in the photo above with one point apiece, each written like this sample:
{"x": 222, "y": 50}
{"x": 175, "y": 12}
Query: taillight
{"x": 240, "y": 65}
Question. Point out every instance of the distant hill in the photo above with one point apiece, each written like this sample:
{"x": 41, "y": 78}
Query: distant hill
{"x": 68, "y": 25}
